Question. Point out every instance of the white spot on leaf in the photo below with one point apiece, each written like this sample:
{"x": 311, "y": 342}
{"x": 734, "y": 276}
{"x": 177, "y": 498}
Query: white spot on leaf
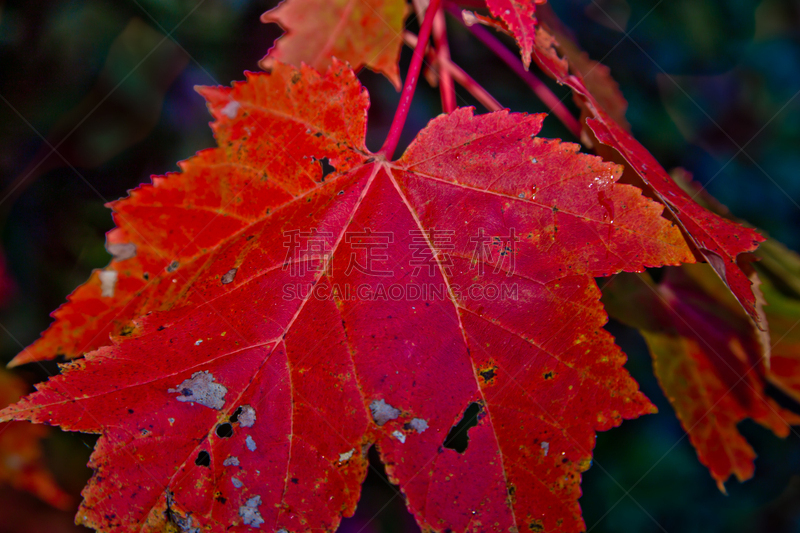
{"x": 546, "y": 448}
{"x": 249, "y": 512}
{"x": 229, "y": 276}
{"x": 231, "y": 109}
{"x": 200, "y": 388}
{"x": 236, "y": 483}
{"x": 121, "y": 250}
{"x": 251, "y": 444}
{"x": 185, "y": 524}
{"x": 418, "y": 424}
{"x": 382, "y": 412}
{"x": 108, "y": 281}
{"x": 231, "y": 461}
{"x": 346, "y": 456}
{"x": 248, "y": 416}
{"x": 399, "y": 435}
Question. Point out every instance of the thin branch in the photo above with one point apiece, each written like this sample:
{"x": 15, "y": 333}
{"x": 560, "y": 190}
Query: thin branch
{"x": 462, "y": 78}
{"x": 513, "y": 61}
{"x": 388, "y": 148}
{"x": 446, "y": 88}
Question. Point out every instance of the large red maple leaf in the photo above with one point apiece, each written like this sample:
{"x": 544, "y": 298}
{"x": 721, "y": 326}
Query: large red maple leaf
{"x": 296, "y": 319}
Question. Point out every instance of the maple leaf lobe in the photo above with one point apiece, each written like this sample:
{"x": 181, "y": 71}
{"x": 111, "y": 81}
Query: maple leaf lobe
{"x": 188, "y": 214}
{"x": 519, "y": 17}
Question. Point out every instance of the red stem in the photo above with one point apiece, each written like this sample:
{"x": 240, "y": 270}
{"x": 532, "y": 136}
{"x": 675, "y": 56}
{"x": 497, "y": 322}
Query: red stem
{"x": 446, "y": 88}
{"x": 462, "y": 78}
{"x": 388, "y": 148}
{"x": 512, "y": 60}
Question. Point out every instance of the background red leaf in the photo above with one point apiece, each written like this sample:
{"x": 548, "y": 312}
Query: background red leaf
{"x": 707, "y": 358}
{"x": 361, "y": 32}
{"x": 22, "y": 463}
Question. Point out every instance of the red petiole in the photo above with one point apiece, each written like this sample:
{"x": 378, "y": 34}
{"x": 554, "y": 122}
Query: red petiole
{"x": 388, "y": 148}
{"x": 511, "y": 59}
{"x": 446, "y": 87}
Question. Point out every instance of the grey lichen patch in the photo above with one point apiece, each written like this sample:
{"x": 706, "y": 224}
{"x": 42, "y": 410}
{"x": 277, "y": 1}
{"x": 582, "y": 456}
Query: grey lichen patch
{"x": 231, "y": 461}
{"x": 236, "y": 483}
{"x": 251, "y": 444}
{"x": 200, "y": 388}
{"x": 182, "y": 521}
{"x": 248, "y": 416}
{"x": 229, "y": 276}
{"x": 346, "y": 456}
{"x": 382, "y": 412}
{"x": 249, "y": 512}
{"x": 418, "y": 424}
{"x": 121, "y": 250}
{"x": 399, "y": 435}
{"x": 231, "y": 109}
{"x": 185, "y": 525}
{"x": 108, "y": 282}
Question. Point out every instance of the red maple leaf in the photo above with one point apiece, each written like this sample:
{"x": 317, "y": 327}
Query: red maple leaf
{"x": 716, "y": 240}
{"x": 518, "y": 17}
{"x": 707, "y": 358}
{"x": 298, "y": 319}
{"x": 361, "y": 32}
{"x": 711, "y": 360}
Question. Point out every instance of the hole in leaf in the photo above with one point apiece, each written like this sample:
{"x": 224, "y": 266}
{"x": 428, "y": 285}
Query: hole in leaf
{"x": 488, "y": 374}
{"x": 381, "y": 503}
{"x": 458, "y": 438}
{"x": 203, "y": 459}
{"x": 327, "y": 168}
{"x": 235, "y": 416}
{"x": 225, "y": 431}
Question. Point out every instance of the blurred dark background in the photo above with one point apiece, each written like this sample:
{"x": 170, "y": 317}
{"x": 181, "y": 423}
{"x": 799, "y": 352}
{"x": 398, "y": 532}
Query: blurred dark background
{"x": 712, "y": 87}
